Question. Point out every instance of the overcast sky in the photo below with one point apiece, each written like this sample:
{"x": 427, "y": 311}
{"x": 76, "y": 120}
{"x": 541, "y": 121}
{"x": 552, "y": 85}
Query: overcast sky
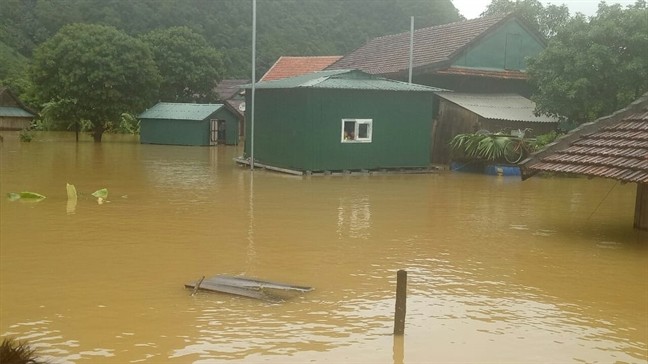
{"x": 473, "y": 8}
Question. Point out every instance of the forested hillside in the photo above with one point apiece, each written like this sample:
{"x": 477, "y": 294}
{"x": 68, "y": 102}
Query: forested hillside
{"x": 284, "y": 27}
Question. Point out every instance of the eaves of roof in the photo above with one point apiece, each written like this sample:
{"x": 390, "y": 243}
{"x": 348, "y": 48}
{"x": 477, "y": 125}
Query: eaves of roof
{"x": 614, "y": 146}
{"x": 180, "y": 111}
{"x": 14, "y": 112}
{"x": 342, "y": 80}
{"x": 286, "y": 67}
{"x": 508, "y": 107}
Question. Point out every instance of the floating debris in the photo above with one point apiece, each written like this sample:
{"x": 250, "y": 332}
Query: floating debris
{"x": 28, "y": 196}
{"x": 249, "y": 287}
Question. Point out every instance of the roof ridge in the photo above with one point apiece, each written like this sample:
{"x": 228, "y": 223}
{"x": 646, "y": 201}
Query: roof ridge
{"x": 447, "y": 25}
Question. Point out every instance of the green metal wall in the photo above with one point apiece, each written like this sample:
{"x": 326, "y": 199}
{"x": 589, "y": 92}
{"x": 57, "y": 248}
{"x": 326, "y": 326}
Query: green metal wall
{"x": 231, "y": 125}
{"x": 301, "y": 129}
{"x": 174, "y": 132}
{"x": 188, "y": 132}
{"x": 506, "y": 48}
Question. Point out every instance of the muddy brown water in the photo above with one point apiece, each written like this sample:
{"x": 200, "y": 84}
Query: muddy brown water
{"x": 500, "y": 270}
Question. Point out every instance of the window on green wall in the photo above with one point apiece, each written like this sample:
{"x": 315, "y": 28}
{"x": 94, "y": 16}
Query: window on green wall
{"x": 356, "y": 130}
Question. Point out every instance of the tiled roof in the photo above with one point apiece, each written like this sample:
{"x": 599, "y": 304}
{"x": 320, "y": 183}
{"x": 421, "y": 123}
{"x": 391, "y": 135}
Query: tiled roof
{"x": 472, "y": 72}
{"x": 342, "y": 79}
{"x": 510, "y": 107}
{"x": 433, "y": 45}
{"x": 226, "y": 89}
{"x": 180, "y": 111}
{"x": 295, "y": 66}
{"x": 615, "y": 147}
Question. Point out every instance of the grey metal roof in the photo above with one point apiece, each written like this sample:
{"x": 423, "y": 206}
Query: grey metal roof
{"x": 14, "y": 112}
{"x": 180, "y": 111}
{"x": 342, "y": 79}
{"x": 510, "y": 107}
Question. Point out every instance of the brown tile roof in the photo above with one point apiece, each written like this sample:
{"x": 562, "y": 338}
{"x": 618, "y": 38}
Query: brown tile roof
{"x": 507, "y": 75}
{"x": 433, "y": 46}
{"x": 226, "y": 89}
{"x": 614, "y": 146}
{"x": 295, "y": 66}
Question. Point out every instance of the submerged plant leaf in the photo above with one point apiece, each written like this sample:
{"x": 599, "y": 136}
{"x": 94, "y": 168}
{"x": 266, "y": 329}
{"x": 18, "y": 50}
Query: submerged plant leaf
{"x": 32, "y": 196}
{"x": 71, "y": 191}
{"x": 102, "y": 193}
{"x": 12, "y": 196}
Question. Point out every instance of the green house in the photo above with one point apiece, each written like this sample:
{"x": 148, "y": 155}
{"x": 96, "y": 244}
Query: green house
{"x": 340, "y": 120}
{"x": 483, "y": 55}
{"x": 189, "y": 124}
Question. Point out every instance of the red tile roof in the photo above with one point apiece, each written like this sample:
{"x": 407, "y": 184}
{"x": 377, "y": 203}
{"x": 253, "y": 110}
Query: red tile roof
{"x": 434, "y": 46}
{"x": 295, "y": 66}
{"x": 615, "y": 146}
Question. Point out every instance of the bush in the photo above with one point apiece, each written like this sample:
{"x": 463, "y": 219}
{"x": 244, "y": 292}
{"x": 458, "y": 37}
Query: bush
{"x": 15, "y": 352}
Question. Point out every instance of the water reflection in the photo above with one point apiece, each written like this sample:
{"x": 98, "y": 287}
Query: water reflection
{"x": 499, "y": 270}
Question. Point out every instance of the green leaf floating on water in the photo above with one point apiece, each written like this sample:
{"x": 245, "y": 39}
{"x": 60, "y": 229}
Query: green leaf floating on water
{"x": 102, "y": 193}
{"x": 31, "y": 196}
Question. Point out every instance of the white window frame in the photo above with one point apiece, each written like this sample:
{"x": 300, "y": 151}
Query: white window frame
{"x": 358, "y": 122}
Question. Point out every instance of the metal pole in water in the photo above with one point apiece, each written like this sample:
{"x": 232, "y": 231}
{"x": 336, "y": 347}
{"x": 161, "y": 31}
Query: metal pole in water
{"x": 253, "y": 84}
{"x": 401, "y": 302}
{"x": 411, "y": 50}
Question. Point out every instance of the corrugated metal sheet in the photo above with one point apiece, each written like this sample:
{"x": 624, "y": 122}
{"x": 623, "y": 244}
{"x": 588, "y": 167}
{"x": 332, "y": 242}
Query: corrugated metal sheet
{"x": 180, "y": 111}
{"x": 342, "y": 79}
{"x": 14, "y": 112}
{"x": 508, "y": 107}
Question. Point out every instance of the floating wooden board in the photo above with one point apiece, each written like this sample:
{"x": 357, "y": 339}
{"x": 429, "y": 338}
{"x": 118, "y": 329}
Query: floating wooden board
{"x": 250, "y": 287}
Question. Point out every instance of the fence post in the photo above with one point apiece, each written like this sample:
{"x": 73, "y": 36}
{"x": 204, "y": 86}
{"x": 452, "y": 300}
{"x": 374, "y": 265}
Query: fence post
{"x": 401, "y": 302}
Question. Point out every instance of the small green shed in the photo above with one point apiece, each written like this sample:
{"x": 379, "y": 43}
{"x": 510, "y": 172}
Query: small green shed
{"x": 340, "y": 120}
{"x": 189, "y": 124}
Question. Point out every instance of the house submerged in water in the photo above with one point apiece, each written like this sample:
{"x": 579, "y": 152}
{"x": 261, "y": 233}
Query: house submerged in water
{"x": 339, "y": 120}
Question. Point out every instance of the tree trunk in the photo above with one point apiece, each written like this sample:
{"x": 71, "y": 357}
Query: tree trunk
{"x": 97, "y": 133}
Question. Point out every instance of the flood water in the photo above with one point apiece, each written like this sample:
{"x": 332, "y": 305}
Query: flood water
{"x": 542, "y": 271}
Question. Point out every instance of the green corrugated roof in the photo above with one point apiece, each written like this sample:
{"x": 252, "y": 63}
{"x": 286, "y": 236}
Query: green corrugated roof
{"x": 14, "y": 112}
{"x": 342, "y": 79}
{"x": 180, "y": 111}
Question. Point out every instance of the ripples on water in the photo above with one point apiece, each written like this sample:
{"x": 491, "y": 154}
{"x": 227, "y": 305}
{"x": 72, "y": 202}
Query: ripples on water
{"x": 499, "y": 270}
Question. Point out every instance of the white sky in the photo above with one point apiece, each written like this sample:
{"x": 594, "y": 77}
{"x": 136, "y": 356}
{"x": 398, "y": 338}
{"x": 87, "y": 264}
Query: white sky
{"x": 473, "y": 8}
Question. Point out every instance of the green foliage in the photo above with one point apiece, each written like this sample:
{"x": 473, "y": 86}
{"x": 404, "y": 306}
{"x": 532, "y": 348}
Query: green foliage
{"x": 593, "y": 67}
{"x": 26, "y": 135}
{"x": 102, "y": 193}
{"x": 128, "y": 124}
{"x": 284, "y": 27}
{"x": 94, "y": 73}
{"x": 13, "y": 69}
{"x": 480, "y": 146}
{"x": 544, "y": 139}
{"x": 548, "y": 20}
{"x": 189, "y": 67}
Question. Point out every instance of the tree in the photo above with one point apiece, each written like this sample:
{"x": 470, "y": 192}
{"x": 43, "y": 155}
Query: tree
{"x": 94, "y": 73}
{"x": 547, "y": 20}
{"x": 593, "y": 68}
{"x": 189, "y": 67}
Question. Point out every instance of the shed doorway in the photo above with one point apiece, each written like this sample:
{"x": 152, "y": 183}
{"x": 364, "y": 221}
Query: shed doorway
{"x": 217, "y": 132}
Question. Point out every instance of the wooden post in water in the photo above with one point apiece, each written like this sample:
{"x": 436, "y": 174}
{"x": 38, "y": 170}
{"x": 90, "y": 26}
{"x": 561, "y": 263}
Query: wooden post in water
{"x": 401, "y": 302}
